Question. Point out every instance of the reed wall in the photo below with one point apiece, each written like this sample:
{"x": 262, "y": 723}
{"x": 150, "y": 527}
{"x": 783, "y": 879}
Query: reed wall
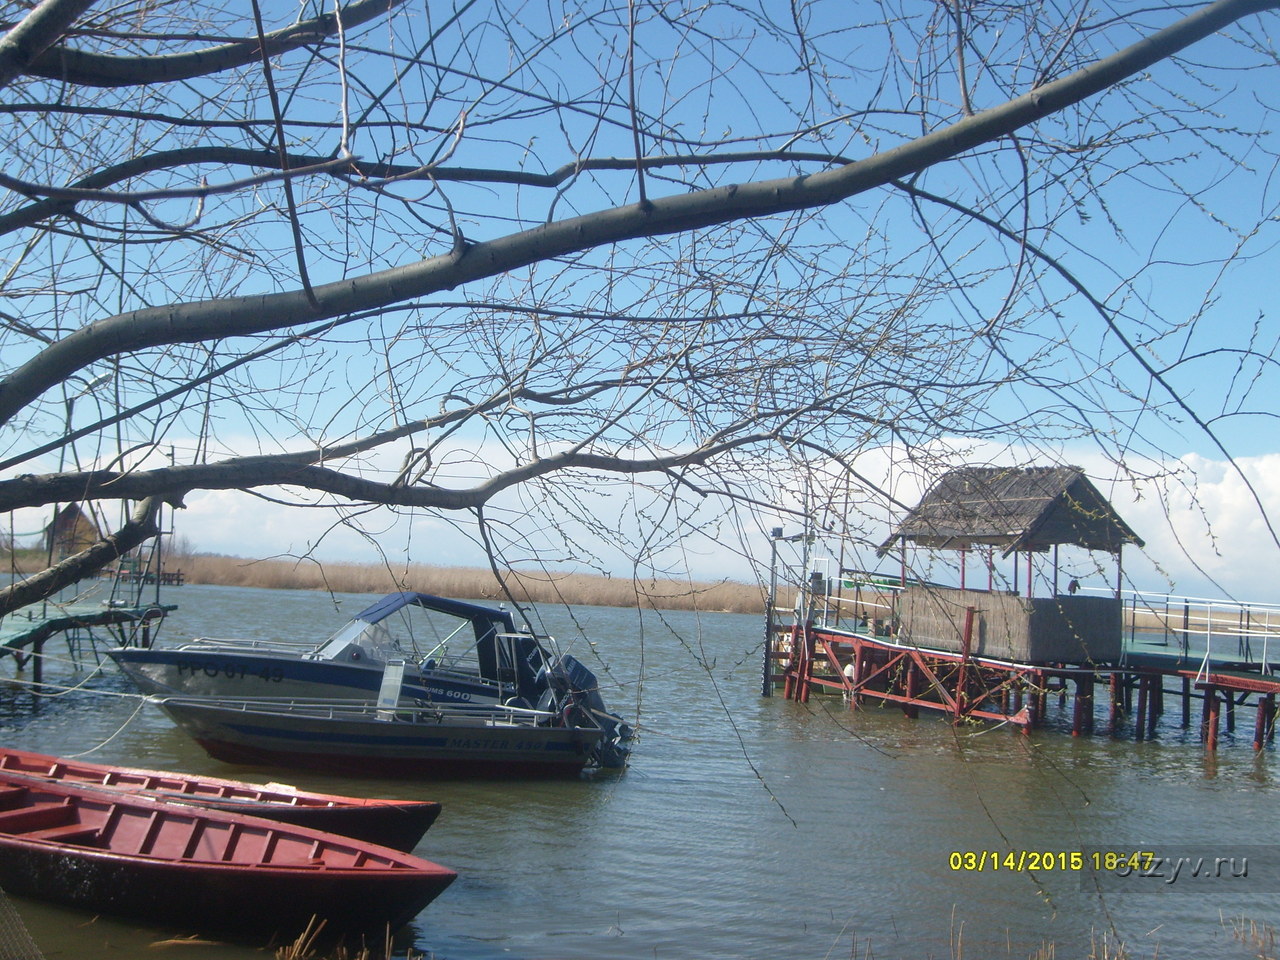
{"x": 1069, "y": 629}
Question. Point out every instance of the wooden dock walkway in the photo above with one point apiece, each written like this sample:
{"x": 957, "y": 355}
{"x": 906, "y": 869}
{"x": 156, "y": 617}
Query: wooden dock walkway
{"x": 24, "y": 632}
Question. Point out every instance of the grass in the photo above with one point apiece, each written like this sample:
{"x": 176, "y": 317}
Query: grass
{"x": 305, "y": 947}
{"x": 1258, "y": 938}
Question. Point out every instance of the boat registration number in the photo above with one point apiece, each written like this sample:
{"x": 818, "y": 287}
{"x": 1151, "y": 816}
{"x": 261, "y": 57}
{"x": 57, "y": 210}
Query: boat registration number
{"x": 231, "y": 671}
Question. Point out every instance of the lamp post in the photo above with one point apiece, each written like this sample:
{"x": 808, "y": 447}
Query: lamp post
{"x": 766, "y": 673}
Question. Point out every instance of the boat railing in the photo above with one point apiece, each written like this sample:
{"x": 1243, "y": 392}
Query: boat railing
{"x": 441, "y": 653}
{"x": 211, "y": 643}
{"x": 334, "y": 708}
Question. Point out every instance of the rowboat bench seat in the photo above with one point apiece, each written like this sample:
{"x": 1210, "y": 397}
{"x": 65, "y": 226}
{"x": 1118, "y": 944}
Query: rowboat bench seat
{"x": 67, "y": 833}
{"x": 10, "y": 797}
{"x": 35, "y": 816}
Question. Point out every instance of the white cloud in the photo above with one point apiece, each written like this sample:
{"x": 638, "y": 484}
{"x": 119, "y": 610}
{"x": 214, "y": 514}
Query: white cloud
{"x": 1205, "y": 532}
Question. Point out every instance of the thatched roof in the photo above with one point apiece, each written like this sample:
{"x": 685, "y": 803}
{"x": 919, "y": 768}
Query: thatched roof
{"x": 71, "y": 531}
{"x": 1031, "y": 508}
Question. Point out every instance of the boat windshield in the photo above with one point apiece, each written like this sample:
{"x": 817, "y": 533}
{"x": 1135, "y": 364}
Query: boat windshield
{"x": 350, "y": 633}
{"x": 444, "y": 640}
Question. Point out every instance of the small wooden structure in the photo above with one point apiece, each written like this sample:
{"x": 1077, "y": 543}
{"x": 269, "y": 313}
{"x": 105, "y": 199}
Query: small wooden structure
{"x": 70, "y": 531}
{"x": 1017, "y": 511}
{"x": 1003, "y": 655}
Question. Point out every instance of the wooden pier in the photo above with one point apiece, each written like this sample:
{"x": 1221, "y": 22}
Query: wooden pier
{"x": 999, "y": 655}
{"x": 962, "y": 687}
{"x": 24, "y": 633}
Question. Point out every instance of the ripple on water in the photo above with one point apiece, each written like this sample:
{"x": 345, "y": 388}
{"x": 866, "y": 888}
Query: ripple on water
{"x": 746, "y": 827}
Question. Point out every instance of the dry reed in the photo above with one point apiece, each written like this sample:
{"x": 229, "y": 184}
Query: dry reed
{"x": 472, "y": 582}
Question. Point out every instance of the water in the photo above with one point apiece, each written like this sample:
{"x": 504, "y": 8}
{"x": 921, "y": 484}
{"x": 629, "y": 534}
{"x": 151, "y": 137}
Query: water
{"x": 745, "y": 827}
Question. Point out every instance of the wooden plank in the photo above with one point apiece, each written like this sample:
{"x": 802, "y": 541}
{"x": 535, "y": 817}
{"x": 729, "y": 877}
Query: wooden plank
{"x": 36, "y": 816}
{"x": 67, "y": 833}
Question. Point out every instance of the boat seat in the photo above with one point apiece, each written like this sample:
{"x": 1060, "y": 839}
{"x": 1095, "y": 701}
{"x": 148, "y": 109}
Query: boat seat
{"x": 10, "y": 797}
{"x": 67, "y": 833}
{"x": 35, "y": 816}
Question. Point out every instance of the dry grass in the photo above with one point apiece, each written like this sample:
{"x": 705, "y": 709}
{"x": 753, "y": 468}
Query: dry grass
{"x": 308, "y": 947}
{"x": 1257, "y": 938}
{"x": 473, "y": 583}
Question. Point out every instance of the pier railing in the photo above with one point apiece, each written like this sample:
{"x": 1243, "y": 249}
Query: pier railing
{"x": 1212, "y": 631}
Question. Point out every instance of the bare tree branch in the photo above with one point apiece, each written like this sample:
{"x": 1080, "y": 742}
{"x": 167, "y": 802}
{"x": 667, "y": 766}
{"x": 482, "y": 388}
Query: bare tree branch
{"x": 40, "y": 29}
{"x": 193, "y": 322}
{"x": 140, "y": 527}
{"x": 86, "y": 68}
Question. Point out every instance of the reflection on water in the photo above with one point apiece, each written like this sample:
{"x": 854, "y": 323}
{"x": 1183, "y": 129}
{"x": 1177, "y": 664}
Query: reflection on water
{"x": 746, "y": 827}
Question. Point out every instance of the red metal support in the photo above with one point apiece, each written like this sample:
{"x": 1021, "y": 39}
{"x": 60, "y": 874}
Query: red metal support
{"x": 1212, "y": 710}
{"x": 966, "y": 645}
{"x": 789, "y": 672}
{"x": 1155, "y": 703}
{"x": 1113, "y": 709}
{"x": 806, "y": 663}
{"x": 962, "y": 685}
{"x": 912, "y": 709}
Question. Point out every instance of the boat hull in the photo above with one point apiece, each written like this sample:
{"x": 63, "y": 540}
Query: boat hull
{"x": 330, "y": 741}
{"x": 399, "y": 824}
{"x": 214, "y": 673}
{"x": 208, "y": 871}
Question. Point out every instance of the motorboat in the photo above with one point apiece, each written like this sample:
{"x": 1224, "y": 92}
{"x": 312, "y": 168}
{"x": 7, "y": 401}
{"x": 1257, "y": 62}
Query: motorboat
{"x": 393, "y": 740}
{"x": 456, "y": 653}
{"x": 449, "y": 656}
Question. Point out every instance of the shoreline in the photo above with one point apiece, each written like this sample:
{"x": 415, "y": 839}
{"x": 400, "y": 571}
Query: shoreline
{"x": 473, "y": 583}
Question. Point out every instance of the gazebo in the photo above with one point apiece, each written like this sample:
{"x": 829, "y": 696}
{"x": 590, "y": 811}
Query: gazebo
{"x": 1015, "y": 510}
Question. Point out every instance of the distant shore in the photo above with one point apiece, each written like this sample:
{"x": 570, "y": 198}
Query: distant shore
{"x": 473, "y": 583}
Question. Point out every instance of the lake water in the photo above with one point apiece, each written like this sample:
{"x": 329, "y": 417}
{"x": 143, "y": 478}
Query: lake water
{"x": 746, "y": 827}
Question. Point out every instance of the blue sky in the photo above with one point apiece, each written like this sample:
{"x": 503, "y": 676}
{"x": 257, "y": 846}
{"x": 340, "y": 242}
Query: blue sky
{"x": 1153, "y": 253}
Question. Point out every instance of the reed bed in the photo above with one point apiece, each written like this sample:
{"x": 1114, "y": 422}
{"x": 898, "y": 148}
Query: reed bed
{"x": 474, "y": 583}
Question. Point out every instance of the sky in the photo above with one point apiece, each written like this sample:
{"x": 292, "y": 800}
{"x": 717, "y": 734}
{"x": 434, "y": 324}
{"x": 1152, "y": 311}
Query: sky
{"x": 1216, "y": 542}
{"x": 1205, "y": 536}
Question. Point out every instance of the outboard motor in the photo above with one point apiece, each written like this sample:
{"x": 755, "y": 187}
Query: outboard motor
{"x": 573, "y": 689}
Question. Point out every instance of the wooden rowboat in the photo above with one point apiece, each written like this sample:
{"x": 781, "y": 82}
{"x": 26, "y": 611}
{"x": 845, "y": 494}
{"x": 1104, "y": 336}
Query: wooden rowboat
{"x": 399, "y": 824}
{"x": 206, "y": 870}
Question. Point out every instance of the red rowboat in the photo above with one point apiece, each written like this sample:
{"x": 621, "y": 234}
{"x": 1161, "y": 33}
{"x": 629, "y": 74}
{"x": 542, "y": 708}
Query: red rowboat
{"x": 391, "y": 823}
{"x": 181, "y": 865}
